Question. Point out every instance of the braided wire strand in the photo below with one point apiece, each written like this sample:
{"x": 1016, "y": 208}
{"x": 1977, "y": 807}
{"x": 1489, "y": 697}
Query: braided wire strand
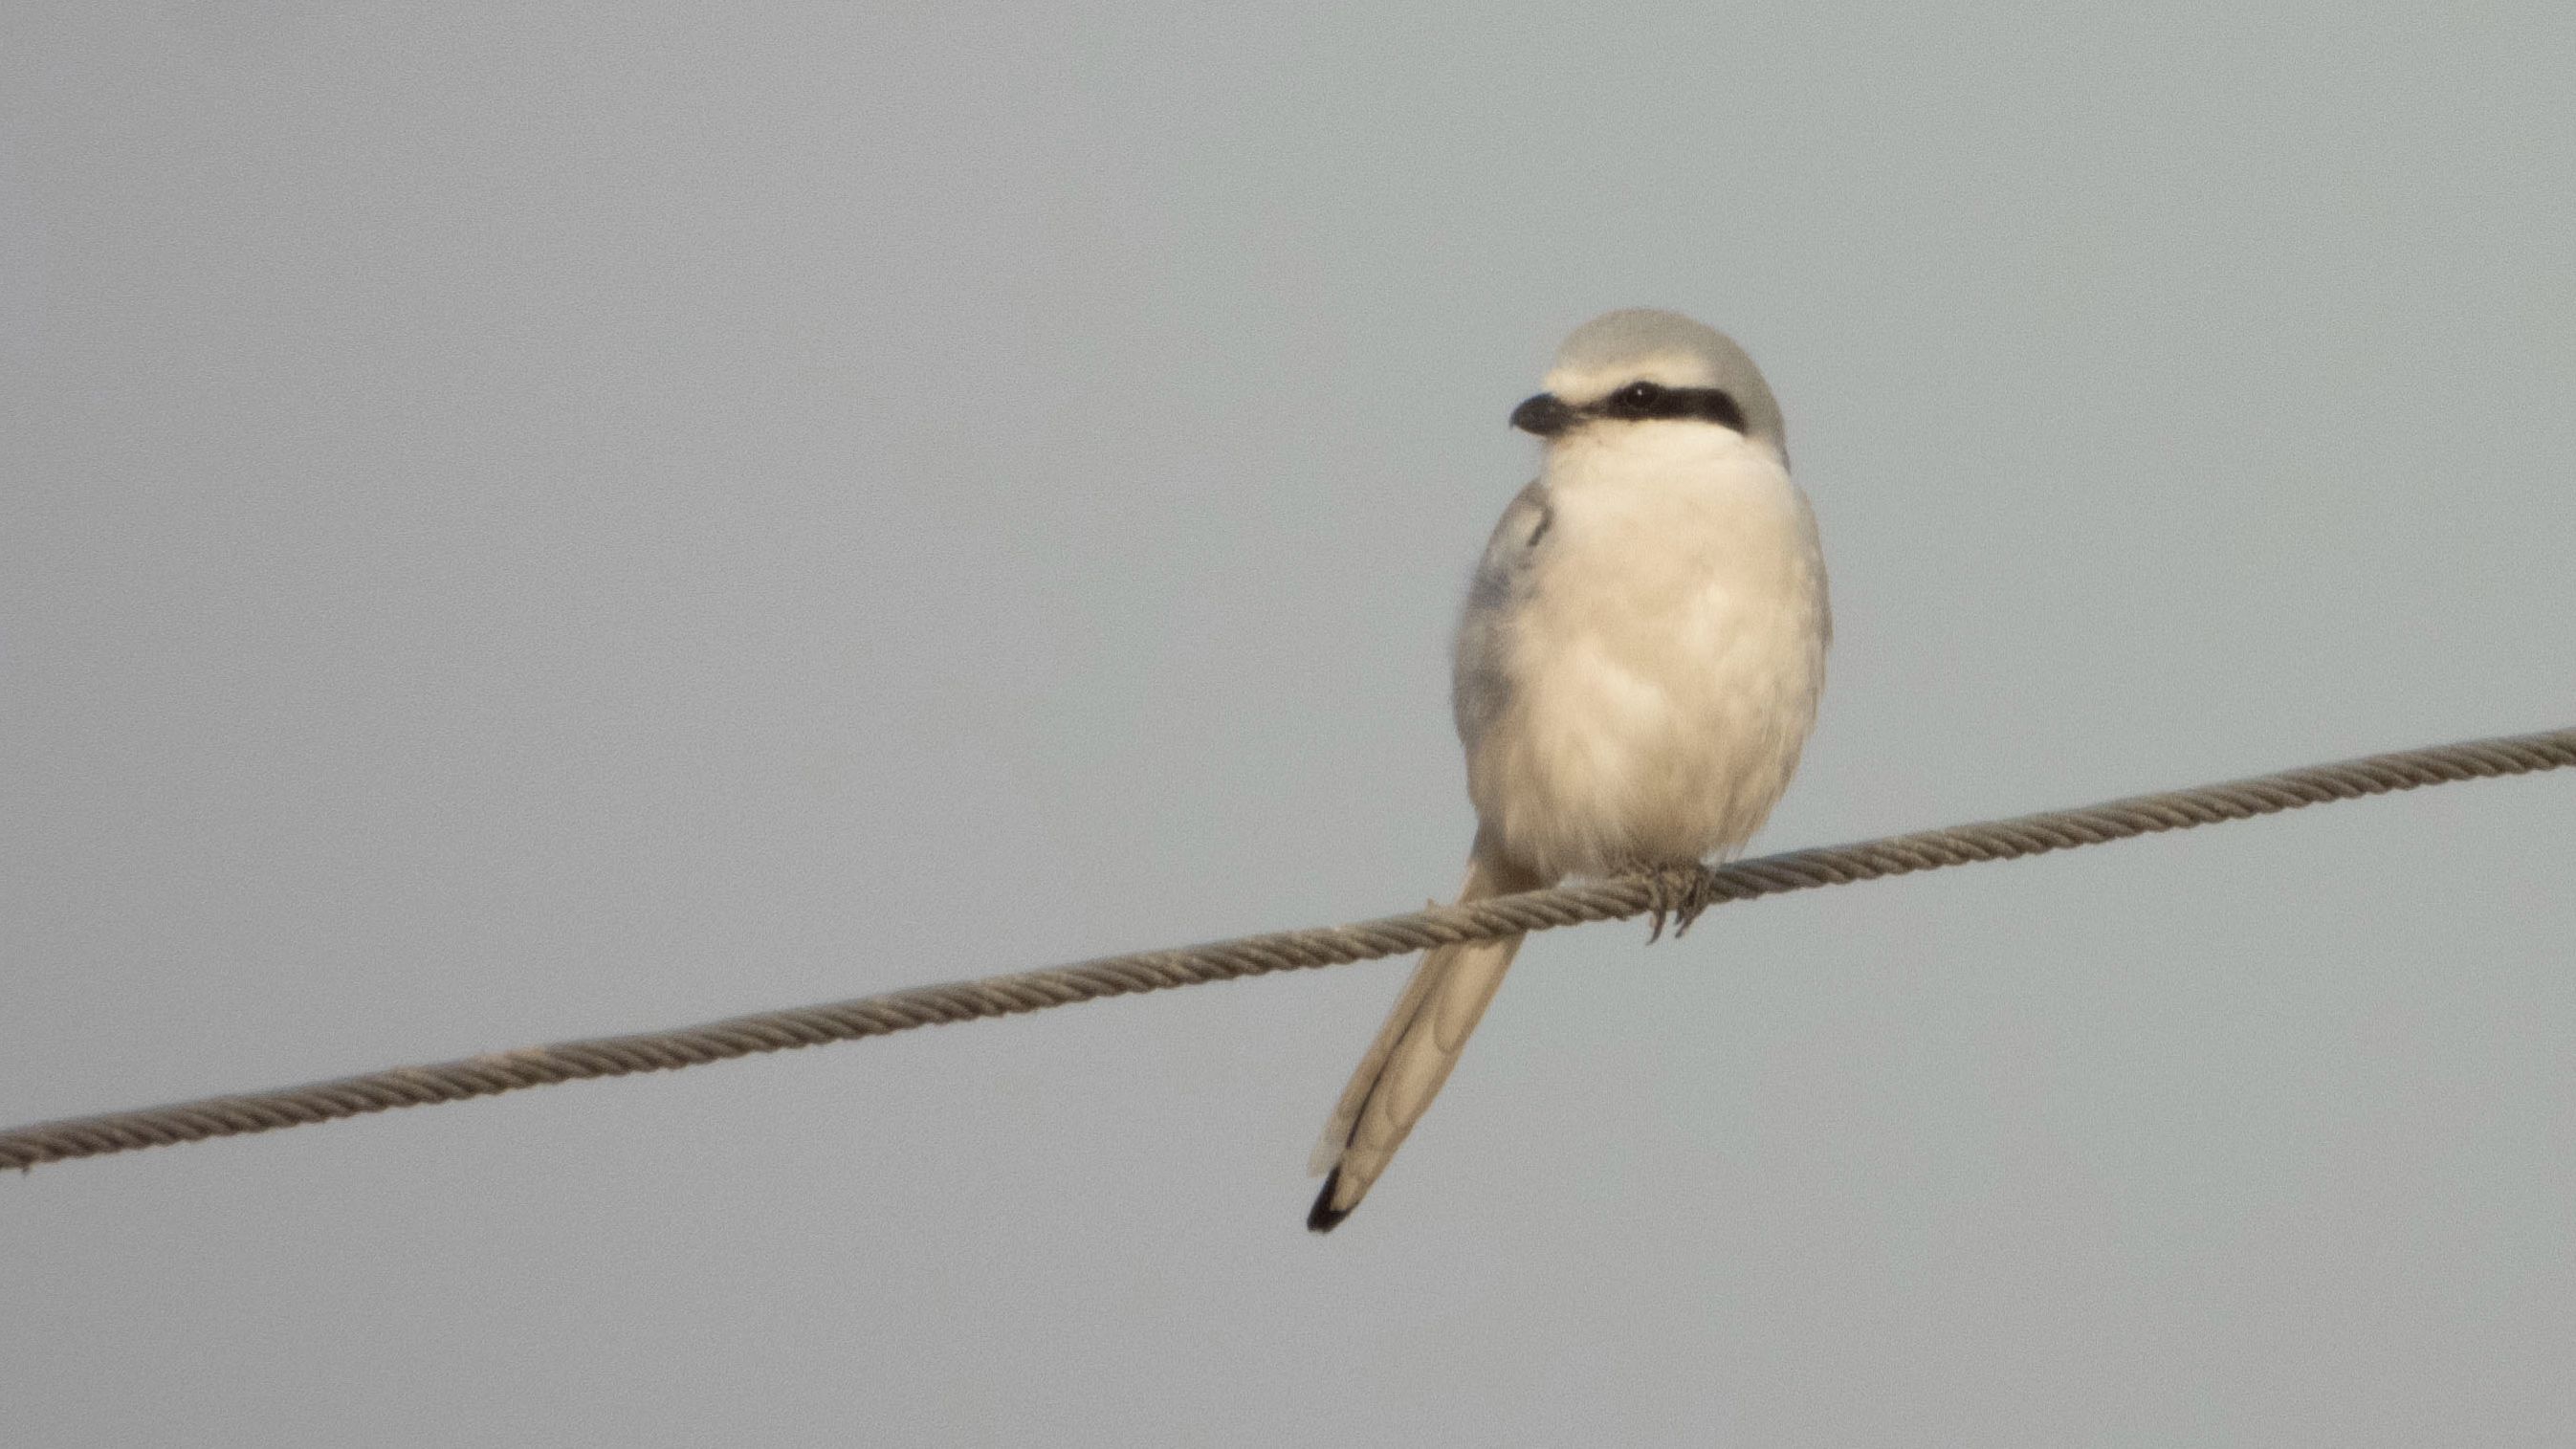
{"x": 492, "y": 1073}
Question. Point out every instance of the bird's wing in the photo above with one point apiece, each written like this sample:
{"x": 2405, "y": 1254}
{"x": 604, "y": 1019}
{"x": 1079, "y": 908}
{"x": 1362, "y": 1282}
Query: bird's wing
{"x": 1481, "y": 686}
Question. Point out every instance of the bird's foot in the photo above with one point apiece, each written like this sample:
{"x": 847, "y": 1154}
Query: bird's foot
{"x": 1681, "y": 892}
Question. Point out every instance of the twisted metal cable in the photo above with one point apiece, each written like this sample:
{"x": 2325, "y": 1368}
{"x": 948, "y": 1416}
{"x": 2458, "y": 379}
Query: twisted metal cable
{"x": 614, "y": 1056}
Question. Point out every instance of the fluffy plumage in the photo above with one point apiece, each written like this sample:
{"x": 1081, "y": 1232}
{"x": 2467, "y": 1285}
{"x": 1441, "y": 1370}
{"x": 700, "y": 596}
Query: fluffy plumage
{"x": 1637, "y": 669}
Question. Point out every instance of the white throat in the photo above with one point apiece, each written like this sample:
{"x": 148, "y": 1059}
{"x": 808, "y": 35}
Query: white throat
{"x": 1624, "y": 454}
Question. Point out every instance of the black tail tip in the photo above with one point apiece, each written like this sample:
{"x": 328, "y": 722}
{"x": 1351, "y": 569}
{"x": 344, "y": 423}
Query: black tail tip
{"x": 1323, "y": 1217}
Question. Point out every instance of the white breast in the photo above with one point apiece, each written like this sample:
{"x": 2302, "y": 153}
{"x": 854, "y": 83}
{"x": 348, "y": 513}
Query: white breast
{"x": 1664, "y": 662}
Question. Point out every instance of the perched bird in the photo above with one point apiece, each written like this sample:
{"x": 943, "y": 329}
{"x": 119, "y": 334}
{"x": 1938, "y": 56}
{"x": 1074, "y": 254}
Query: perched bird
{"x": 1636, "y": 671}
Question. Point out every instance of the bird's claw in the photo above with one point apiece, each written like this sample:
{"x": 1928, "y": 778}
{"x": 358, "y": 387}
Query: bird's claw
{"x": 1680, "y": 893}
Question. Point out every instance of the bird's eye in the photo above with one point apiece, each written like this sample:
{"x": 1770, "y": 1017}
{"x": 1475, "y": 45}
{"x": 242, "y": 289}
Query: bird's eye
{"x": 1638, "y": 399}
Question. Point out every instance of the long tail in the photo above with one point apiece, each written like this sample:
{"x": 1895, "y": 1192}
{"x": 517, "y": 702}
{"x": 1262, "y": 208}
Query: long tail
{"x": 1414, "y": 1050}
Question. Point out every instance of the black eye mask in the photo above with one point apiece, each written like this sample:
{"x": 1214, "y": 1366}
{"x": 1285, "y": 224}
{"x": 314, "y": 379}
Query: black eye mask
{"x": 1547, "y": 415}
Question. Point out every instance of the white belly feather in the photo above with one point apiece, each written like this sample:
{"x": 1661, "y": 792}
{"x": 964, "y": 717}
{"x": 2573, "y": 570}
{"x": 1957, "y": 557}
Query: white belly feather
{"x": 1665, "y": 661}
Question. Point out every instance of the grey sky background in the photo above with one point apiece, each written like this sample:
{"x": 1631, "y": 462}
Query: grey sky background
{"x": 537, "y": 520}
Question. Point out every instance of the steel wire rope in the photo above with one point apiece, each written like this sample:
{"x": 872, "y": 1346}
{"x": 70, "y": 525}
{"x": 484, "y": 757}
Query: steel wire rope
{"x": 610, "y": 1056}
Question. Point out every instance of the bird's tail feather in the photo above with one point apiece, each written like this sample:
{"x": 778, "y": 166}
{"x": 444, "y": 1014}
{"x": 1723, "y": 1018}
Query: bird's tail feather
{"x": 1415, "y": 1049}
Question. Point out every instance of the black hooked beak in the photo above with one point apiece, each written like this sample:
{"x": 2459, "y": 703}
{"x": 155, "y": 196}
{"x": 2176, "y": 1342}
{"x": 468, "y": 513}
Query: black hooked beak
{"x": 1546, "y": 415}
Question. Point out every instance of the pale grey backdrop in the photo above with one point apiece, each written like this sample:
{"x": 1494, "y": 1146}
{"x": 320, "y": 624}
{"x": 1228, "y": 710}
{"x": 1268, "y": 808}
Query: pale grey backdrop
{"x": 528, "y": 521}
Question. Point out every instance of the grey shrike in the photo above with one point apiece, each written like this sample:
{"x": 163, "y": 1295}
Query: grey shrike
{"x": 1636, "y": 671}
